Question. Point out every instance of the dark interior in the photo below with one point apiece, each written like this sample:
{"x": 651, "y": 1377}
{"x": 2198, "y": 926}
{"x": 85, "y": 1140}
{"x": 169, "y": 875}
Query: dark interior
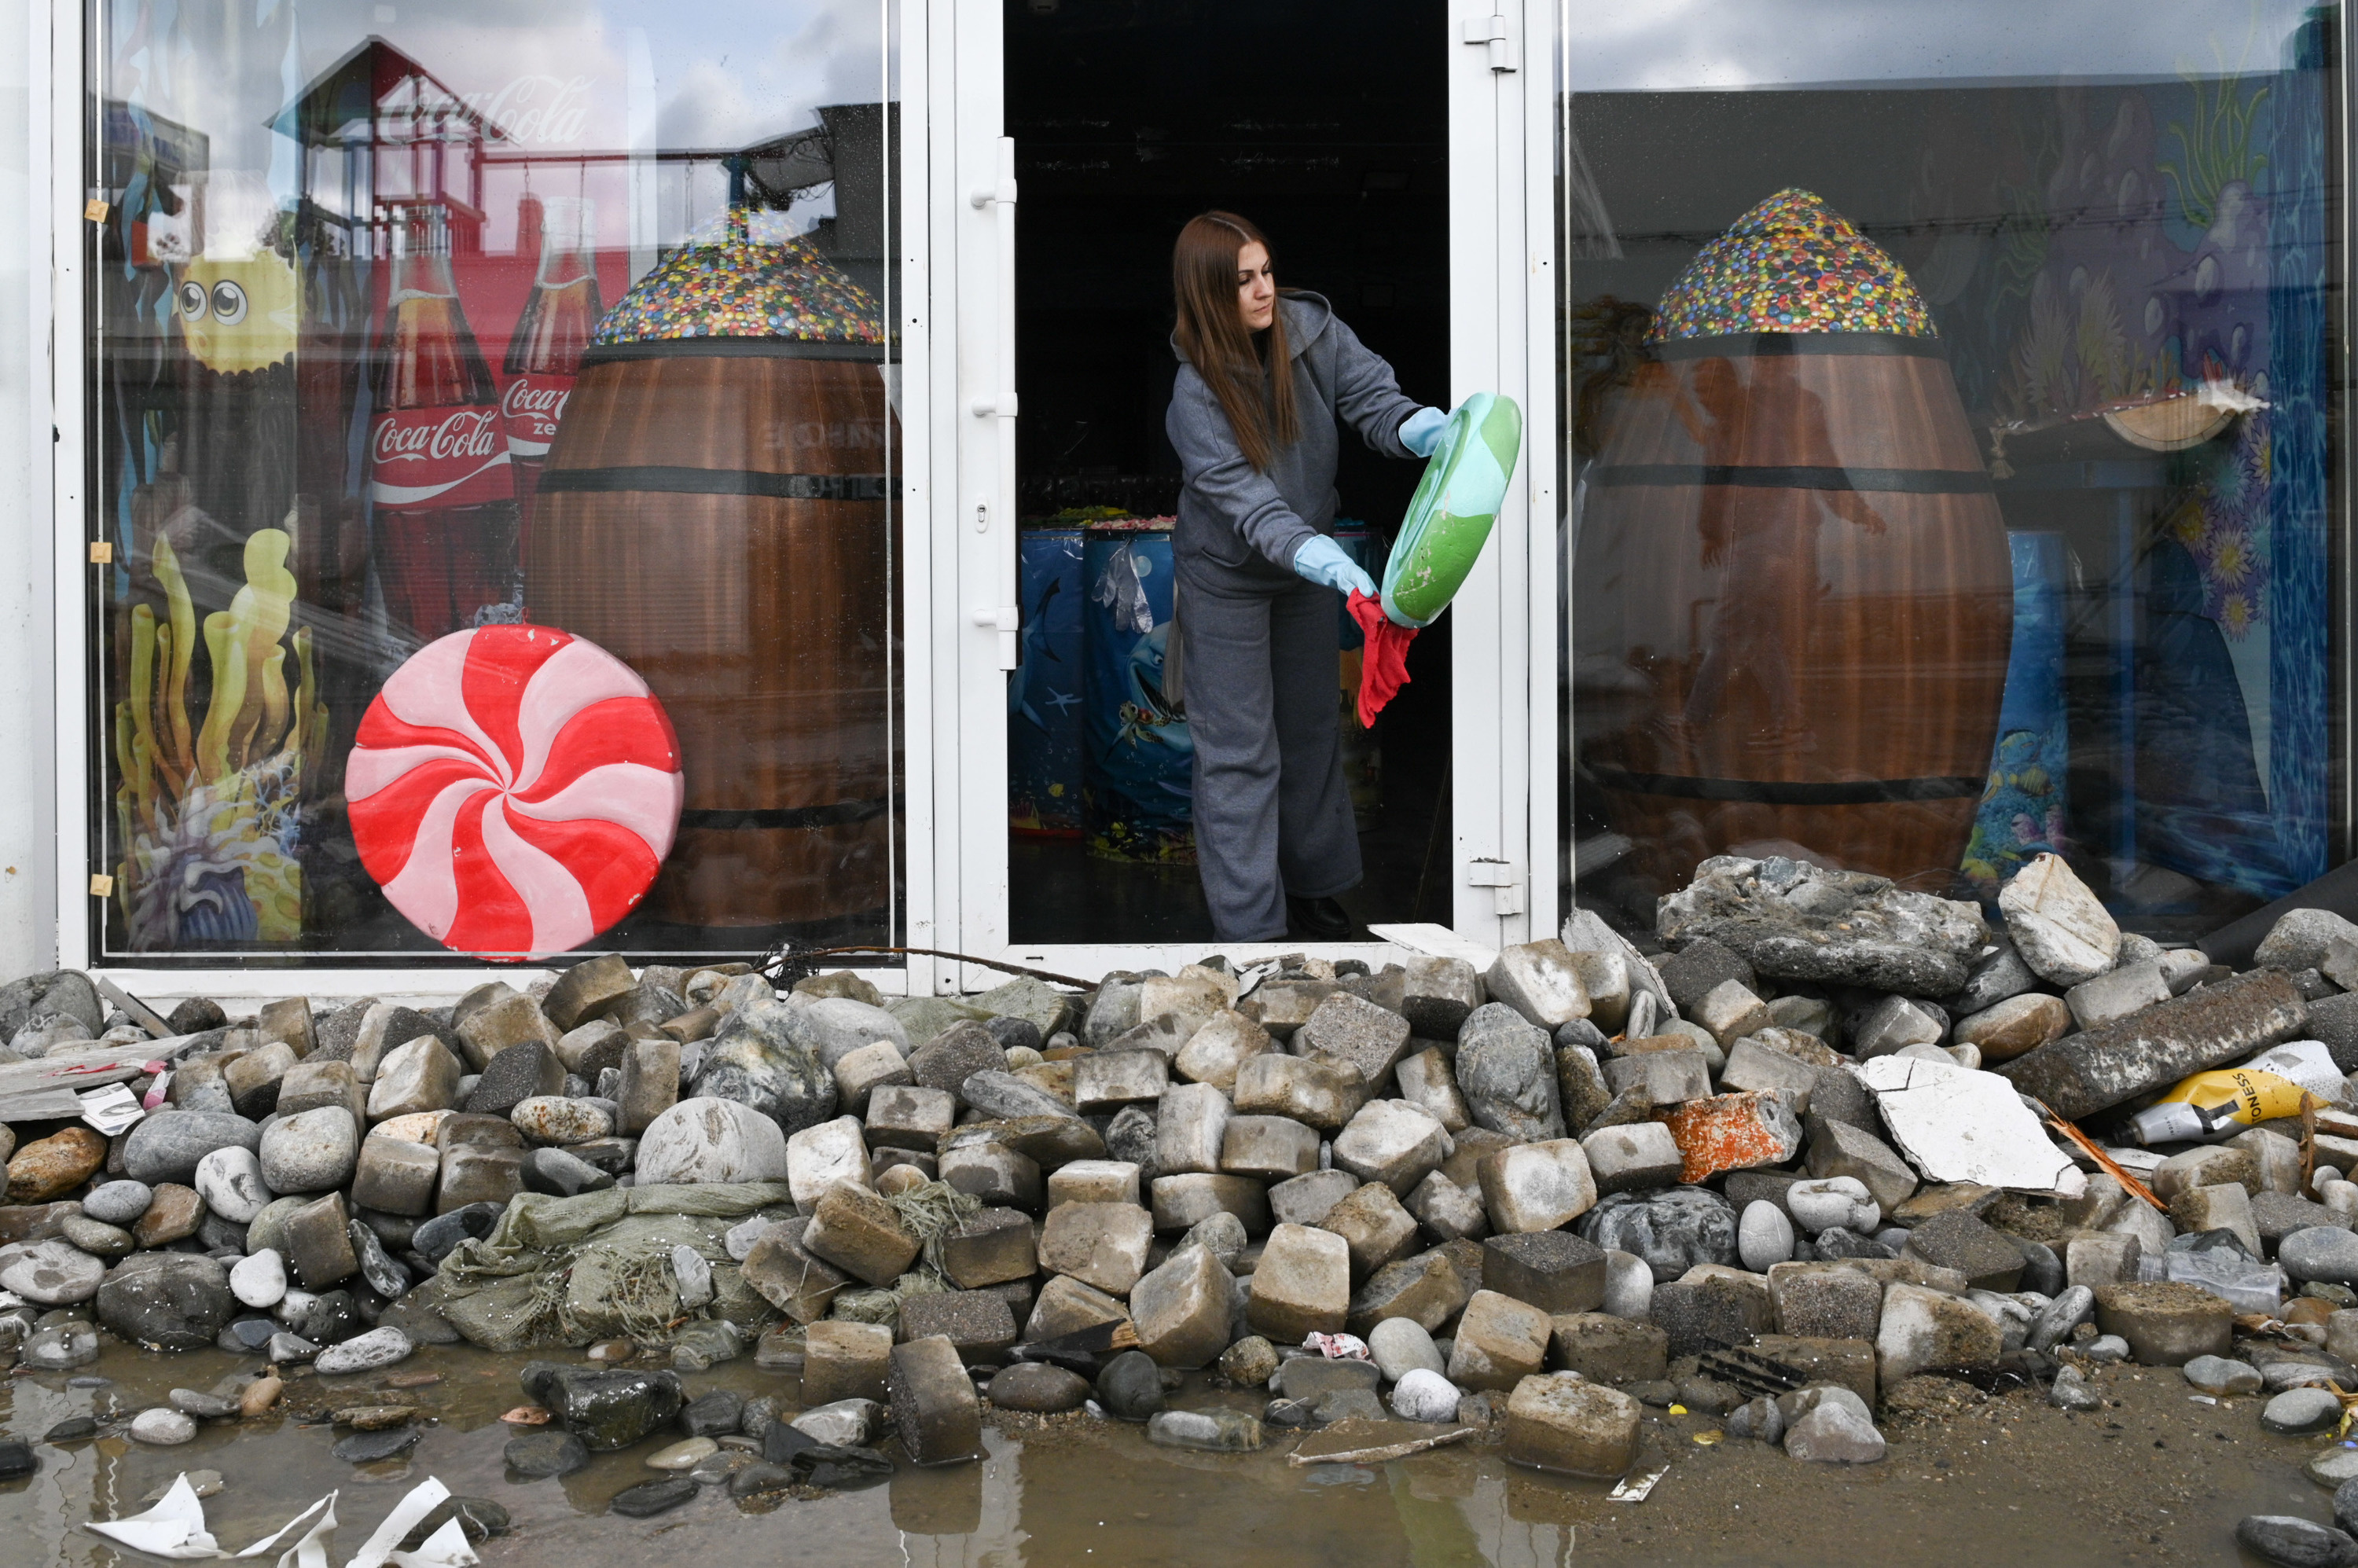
{"x": 1130, "y": 116}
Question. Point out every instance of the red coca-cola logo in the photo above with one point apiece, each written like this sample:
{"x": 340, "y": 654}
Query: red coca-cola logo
{"x": 530, "y": 409}
{"x": 438, "y": 457}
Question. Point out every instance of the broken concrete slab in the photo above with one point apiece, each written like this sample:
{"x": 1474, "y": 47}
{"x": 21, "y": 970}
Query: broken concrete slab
{"x": 2082, "y": 1073}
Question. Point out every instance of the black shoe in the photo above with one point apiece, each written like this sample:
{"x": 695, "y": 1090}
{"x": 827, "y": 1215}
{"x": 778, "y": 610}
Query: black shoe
{"x": 1317, "y": 919}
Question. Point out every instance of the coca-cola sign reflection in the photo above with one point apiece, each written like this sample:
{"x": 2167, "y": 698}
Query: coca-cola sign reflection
{"x": 530, "y": 410}
{"x": 538, "y": 110}
{"x": 438, "y": 457}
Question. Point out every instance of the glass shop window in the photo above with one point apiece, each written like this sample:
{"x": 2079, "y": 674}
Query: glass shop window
{"x": 494, "y": 418}
{"x": 1951, "y": 447}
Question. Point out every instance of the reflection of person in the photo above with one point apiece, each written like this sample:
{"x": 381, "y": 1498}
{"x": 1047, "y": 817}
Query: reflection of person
{"x": 1766, "y": 540}
{"x": 1272, "y": 816}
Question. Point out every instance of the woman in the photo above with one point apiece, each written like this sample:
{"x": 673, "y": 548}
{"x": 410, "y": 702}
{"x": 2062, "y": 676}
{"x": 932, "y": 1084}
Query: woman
{"x": 1265, "y": 381}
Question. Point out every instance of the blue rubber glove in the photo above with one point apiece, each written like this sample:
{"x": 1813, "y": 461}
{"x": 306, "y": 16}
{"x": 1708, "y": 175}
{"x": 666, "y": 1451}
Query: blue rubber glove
{"x": 1322, "y": 560}
{"x": 1421, "y": 431}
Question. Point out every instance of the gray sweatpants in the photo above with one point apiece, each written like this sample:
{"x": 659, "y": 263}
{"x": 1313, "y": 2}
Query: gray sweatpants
{"x": 1273, "y": 813}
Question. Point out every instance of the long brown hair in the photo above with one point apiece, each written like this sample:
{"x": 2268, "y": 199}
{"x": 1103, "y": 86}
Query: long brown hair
{"x": 1257, "y": 396}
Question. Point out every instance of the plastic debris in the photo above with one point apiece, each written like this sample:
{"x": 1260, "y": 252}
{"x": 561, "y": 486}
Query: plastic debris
{"x": 1337, "y": 1346}
{"x": 176, "y": 1528}
{"x": 1637, "y": 1488}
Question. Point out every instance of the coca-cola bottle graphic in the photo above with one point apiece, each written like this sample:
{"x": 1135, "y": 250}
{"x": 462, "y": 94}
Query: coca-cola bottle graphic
{"x": 545, "y": 353}
{"x": 438, "y": 471}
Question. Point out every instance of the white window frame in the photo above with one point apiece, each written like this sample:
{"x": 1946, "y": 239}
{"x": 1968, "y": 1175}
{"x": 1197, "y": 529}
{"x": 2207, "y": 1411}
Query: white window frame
{"x": 1504, "y": 717}
{"x": 60, "y": 125}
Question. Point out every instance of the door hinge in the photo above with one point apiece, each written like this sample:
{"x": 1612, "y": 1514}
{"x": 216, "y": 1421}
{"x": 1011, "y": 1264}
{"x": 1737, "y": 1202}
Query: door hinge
{"x": 101, "y": 552}
{"x": 1505, "y": 880}
{"x": 1490, "y": 32}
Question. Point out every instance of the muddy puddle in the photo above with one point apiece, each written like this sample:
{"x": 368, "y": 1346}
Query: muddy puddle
{"x": 1982, "y": 1482}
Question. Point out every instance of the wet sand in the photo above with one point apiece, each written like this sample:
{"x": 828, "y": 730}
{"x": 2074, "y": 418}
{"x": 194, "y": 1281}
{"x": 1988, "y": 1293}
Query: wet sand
{"x": 1978, "y": 1481}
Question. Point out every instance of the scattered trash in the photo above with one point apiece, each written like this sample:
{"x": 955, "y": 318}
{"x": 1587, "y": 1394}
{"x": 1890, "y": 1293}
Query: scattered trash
{"x": 1379, "y": 1453}
{"x": 176, "y": 1528}
{"x": 2225, "y": 1101}
{"x": 1637, "y": 1488}
{"x": 112, "y": 1108}
{"x": 1337, "y": 1346}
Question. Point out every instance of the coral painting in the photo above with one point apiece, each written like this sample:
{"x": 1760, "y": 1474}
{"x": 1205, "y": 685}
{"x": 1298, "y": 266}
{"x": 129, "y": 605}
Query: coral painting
{"x": 211, "y": 812}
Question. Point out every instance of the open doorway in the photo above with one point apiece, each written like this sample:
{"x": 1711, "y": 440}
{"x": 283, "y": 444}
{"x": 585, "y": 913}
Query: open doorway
{"x": 1130, "y": 116}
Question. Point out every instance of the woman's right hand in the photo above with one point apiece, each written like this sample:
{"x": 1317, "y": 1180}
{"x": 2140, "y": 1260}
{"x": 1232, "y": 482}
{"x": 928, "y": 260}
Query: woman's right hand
{"x": 1322, "y": 560}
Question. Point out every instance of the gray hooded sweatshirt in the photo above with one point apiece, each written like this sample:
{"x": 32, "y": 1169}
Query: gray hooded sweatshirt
{"x": 1241, "y": 522}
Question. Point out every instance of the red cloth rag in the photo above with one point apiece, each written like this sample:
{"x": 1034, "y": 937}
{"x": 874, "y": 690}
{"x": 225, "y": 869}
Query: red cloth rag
{"x": 1383, "y": 667}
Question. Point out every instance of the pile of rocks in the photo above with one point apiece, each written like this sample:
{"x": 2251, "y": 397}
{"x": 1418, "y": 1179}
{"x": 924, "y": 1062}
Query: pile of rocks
{"x": 1771, "y": 1167}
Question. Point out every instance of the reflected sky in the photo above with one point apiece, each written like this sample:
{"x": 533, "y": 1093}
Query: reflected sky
{"x": 1674, "y": 45}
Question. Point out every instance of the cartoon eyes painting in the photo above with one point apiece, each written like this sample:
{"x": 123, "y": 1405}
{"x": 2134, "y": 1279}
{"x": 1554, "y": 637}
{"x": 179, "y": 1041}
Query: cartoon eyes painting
{"x": 238, "y": 315}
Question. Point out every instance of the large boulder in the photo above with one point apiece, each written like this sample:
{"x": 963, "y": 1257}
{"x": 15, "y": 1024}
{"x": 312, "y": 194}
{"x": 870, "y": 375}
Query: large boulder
{"x": 711, "y": 1140}
{"x": 760, "y": 1059}
{"x": 1506, "y": 1071}
{"x": 606, "y": 1410}
{"x": 169, "y": 1145}
{"x": 1795, "y": 921}
{"x": 1671, "y": 1231}
{"x": 167, "y": 1300}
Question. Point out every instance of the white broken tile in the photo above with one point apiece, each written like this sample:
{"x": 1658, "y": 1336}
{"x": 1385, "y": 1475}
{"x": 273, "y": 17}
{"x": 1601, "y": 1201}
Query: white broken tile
{"x": 1956, "y": 1124}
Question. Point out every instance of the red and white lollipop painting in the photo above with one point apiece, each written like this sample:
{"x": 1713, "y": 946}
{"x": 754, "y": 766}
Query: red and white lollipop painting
{"x": 513, "y": 790}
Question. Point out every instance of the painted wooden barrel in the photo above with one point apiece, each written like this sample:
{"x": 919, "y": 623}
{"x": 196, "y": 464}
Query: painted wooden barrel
{"x": 716, "y": 515}
{"x": 1793, "y": 604}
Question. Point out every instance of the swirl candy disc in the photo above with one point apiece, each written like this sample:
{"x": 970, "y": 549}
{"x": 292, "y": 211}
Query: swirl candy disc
{"x": 515, "y": 790}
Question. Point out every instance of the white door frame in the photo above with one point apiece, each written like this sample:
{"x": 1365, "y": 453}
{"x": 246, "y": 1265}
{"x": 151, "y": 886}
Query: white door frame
{"x": 1502, "y": 339}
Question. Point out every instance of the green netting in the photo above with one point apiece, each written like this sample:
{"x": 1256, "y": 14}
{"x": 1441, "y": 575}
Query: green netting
{"x": 568, "y": 1271}
{"x": 928, "y": 1213}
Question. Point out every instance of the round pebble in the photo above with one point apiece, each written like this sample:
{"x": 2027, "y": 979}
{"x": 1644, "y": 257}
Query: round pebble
{"x": 683, "y": 1455}
{"x": 2297, "y": 1412}
{"x": 2321, "y": 1252}
{"x": 2217, "y": 1375}
{"x": 368, "y": 1447}
{"x": 163, "y": 1427}
{"x": 1401, "y": 1346}
{"x": 118, "y": 1203}
{"x": 260, "y": 1282}
{"x": 652, "y": 1496}
{"x": 1764, "y": 1236}
{"x": 1830, "y": 1201}
{"x": 1039, "y": 1388}
{"x": 365, "y": 1352}
{"x": 546, "y": 1453}
{"x": 1425, "y": 1395}
{"x": 2296, "y": 1542}
{"x": 2332, "y": 1466}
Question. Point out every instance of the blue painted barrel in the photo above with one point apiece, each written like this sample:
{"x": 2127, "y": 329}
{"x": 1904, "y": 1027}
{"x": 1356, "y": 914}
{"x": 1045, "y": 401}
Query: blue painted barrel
{"x": 1136, "y": 796}
{"x": 2021, "y": 811}
{"x": 1363, "y": 756}
{"x": 1044, "y": 696}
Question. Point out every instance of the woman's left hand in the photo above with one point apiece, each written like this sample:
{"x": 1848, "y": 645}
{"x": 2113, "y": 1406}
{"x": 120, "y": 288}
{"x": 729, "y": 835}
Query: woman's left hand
{"x": 1421, "y": 431}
